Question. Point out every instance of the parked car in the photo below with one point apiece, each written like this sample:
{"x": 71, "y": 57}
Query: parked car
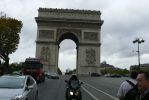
{"x": 95, "y": 75}
{"x": 107, "y": 75}
{"x": 17, "y": 87}
{"x": 115, "y": 75}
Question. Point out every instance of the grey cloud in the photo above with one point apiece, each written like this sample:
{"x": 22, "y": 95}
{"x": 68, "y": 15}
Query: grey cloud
{"x": 122, "y": 26}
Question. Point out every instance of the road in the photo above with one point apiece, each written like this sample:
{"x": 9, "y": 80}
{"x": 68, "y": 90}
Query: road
{"x": 94, "y": 88}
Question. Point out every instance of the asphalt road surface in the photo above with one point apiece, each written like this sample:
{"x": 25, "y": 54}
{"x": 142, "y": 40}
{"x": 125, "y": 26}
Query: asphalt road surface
{"x": 94, "y": 88}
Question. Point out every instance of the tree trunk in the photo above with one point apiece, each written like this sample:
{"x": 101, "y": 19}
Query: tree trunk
{"x": 7, "y": 65}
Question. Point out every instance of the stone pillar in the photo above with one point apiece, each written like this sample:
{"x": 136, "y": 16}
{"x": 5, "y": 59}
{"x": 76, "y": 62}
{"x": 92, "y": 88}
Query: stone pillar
{"x": 88, "y": 59}
{"x": 49, "y": 56}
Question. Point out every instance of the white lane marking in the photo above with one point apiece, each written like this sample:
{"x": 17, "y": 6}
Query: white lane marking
{"x": 89, "y": 93}
{"x": 100, "y": 91}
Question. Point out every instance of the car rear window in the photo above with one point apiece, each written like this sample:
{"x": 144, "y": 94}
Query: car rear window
{"x": 32, "y": 65}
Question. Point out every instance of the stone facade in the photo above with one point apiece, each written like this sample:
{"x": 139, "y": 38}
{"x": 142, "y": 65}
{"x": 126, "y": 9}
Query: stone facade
{"x": 82, "y": 26}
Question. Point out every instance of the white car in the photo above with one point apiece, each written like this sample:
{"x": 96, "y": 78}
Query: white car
{"x": 16, "y": 87}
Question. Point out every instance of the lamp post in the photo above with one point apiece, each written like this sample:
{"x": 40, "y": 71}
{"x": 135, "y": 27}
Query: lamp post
{"x": 139, "y": 41}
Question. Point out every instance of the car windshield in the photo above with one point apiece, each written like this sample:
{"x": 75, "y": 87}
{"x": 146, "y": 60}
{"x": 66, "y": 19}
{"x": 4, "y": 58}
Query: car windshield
{"x": 12, "y": 82}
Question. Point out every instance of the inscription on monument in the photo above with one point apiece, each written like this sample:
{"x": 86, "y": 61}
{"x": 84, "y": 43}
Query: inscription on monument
{"x": 46, "y": 34}
{"x": 93, "y": 36}
{"x": 90, "y": 56}
{"x": 45, "y": 54}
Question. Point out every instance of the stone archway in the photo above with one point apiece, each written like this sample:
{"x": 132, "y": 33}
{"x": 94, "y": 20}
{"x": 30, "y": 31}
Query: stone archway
{"x": 74, "y": 38}
{"x": 81, "y": 26}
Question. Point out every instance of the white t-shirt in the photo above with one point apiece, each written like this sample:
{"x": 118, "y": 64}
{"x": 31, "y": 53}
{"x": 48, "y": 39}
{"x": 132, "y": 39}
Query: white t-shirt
{"x": 124, "y": 88}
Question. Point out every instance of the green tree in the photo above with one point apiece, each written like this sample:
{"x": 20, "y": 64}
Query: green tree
{"x": 103, "y": 71}
{"x": 15, "y": 66}
{"x": 9, "y": 37}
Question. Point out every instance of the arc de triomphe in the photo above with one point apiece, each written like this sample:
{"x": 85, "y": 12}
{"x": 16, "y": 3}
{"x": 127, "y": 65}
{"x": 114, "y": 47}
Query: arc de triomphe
{"x": 81, "y": 26}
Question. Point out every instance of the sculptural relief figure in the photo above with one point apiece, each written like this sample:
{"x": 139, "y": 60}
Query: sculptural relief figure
{"x": 46, "y": 34}
{"x": 45, "y": 54}
{"x": 90, "y": 56}
{"x": 92, "y": 36}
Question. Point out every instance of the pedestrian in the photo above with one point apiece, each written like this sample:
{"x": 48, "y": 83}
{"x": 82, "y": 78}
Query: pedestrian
{"x": 143, "y": 85}
{"x": 128, "y": 89}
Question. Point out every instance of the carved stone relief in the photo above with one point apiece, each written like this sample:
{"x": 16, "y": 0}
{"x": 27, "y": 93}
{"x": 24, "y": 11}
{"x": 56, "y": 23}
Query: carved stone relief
{"x": 45, "y": 54}
{"x": 46, "y": 34}
{"x": 93, "y": 36}
{"x": 90, "y": 56}
{"x": 76, "y": 31}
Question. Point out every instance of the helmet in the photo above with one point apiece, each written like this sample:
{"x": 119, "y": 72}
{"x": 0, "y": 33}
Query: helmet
{"x": 74, "y": 77}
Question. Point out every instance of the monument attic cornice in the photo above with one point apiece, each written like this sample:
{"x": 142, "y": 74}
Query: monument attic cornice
{"x": 69, "y": 10}
{"x": 69, "y": 14}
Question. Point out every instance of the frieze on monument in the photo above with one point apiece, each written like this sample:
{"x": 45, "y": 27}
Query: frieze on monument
{"x": 75, "y": 31}
{"x": 46, "y": 34}
{"x": 92, "y": 36}
{"x": 68, "y": 24}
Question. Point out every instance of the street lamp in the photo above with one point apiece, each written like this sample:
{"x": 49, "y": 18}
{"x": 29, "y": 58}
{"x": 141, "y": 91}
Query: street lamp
{"x": 139, "y": 41}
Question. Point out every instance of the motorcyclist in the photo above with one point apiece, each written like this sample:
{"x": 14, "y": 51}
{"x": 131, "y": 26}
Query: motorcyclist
{"x": 73, "y": 88}
{"x": 73, "y": 81}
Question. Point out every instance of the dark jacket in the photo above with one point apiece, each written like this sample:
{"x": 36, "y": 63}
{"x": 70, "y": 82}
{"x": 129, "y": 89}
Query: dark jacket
{"x": 145, "y": 96}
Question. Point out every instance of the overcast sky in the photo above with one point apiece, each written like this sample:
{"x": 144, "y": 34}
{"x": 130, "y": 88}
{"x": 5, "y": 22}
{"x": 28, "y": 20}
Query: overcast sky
{"x": 124, "y": 20}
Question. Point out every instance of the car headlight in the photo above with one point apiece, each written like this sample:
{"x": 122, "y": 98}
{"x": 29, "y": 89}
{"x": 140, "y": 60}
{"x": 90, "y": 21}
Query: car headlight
{"x": 77, "y": 93}
{"x": 71, "y": 93}
{"x": 17, "y": 97}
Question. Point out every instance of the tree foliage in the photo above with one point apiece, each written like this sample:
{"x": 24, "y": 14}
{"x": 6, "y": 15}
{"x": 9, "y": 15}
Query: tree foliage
{"x": 114, "y": 71}
{"x": 16, "y": 66}
{"x": 9, "y": 36}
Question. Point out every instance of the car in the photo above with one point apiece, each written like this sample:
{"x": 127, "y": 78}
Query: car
{"x": 52, "y": 75}
{"x": 95, "y": 75}
{"x": 16, "y": 73}
{"x": 115, "y": 76}
{"x": 18, "y": 87}
{"x": 107, "y": 75}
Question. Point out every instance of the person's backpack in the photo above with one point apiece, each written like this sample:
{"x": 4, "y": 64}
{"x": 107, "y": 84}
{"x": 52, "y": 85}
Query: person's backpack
{"x": 132, "y": 93}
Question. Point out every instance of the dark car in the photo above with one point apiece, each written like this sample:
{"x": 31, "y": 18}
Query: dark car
{"x": 53, "y": 75}
{"x": 115, "y": 75}
{"x": 95, "y": 75}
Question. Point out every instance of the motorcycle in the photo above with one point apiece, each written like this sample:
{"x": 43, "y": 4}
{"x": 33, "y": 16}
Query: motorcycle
{"x": 73, "y": 91}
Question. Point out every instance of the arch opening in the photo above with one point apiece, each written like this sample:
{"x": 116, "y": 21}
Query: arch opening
{"x": 67, "y": 59}
{"x": 70, "y": 36}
